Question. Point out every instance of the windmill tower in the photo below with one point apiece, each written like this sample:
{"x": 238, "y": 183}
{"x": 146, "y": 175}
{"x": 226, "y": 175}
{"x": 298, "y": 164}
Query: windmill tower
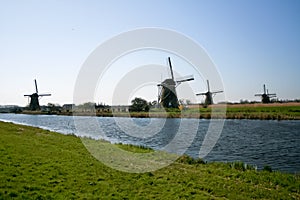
{"x": 34, "y": 98}
{"x": 167, "y": 95}
{"x": 265, "y": 97}
{"x": 209, "y": 95}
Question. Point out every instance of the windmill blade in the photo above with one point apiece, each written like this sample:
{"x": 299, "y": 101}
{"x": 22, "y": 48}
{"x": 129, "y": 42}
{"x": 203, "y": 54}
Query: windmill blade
{"x": 204, "y": 93}
{"x": 36, "y": 89}
{"x": 208, "y": 89}
{"x": 258, "y": 95}
{"x": 185, "y": 78}
{"x": 170, "y": 65}
{"x": 41, "y": 95}
{"x": 264, "y": 89}
{"x": 27, "y": 95}
{"x": 220, "y": 91}
{"x": 158, "y": 93}
{"x": 159, "y": 99}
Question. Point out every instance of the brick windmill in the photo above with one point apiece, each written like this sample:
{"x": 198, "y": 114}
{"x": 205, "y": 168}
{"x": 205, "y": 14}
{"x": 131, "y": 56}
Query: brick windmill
{"x": 167, "y": 96}
{"x": 34, "y": 98}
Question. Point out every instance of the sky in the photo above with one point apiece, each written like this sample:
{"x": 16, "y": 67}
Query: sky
{"x": 251, "y": 43}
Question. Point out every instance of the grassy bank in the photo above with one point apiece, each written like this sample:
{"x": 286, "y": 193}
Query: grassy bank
{"x": 39, "y": 164}
{"x": 261, "y": 111}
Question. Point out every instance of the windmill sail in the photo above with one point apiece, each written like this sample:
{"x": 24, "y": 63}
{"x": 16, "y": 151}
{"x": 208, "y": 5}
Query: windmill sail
{"x": 171, "y": 69}
{"x": 184, "y": 79}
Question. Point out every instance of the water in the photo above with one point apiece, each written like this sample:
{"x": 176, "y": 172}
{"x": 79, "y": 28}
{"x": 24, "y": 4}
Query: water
{"x": 256, "y": 142}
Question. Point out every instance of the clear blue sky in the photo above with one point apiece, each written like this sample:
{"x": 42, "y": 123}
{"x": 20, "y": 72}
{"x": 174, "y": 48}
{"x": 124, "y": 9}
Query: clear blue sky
{"x": 251, "y": 42}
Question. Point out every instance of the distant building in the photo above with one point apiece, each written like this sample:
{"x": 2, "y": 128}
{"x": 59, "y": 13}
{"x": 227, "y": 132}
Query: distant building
{"x": 68, "y": 107}
{"x": 120, "y": 108}
{"x": 106, "y": 108}
{"x": 99, "y": 108}
{"x": 102, "y": 108}
{"x": 10, "y": 109}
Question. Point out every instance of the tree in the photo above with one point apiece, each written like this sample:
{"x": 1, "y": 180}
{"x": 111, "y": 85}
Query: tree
{"x": 139, "y": 105}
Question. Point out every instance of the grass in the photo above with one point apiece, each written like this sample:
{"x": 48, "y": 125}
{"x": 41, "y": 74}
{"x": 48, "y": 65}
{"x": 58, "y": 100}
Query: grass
{"x": 134, "y": 148}
{"x": 264, "y": 112}
{"x": 242, "y": 111}
{"x": 39, "y": 164}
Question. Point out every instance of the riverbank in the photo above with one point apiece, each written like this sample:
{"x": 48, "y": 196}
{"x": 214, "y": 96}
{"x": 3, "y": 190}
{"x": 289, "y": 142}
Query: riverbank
{"x": 274, "y": 111}
{"x": 36, "y": 163}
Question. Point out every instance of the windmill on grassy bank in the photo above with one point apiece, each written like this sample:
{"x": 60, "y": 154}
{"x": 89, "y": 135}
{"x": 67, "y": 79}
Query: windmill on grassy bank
{"x": 167, "y": 96}
{"x": 265, "y": 97}
{"x": 209, "y": 95}
{"x": 34, "y": 98}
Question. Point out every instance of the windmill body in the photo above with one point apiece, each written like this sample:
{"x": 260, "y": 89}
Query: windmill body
{"x": 167, "y": 96}
{"x": 209, "y": 95}
{"x": 34, "y": 99}
{"x": 265, "y": 97}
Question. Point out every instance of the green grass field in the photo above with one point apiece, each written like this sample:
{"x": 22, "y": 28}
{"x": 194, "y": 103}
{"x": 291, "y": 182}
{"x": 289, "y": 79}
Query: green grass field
{"x": 39, "y": 164}
{"x": 264, "y": 112}
{"x": 250, "y": 111}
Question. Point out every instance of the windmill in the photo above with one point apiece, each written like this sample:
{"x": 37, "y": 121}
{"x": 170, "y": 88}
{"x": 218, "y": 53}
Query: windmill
{"x": 209, "y": 95}
{"x": 34, "y": 98}
{"x": 265, "y": 97}
{"x": 167, "y": 95}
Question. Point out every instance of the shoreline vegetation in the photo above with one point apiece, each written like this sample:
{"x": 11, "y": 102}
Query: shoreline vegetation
{"x": 275, "y": 111}
{"x": 39, "y": 164}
